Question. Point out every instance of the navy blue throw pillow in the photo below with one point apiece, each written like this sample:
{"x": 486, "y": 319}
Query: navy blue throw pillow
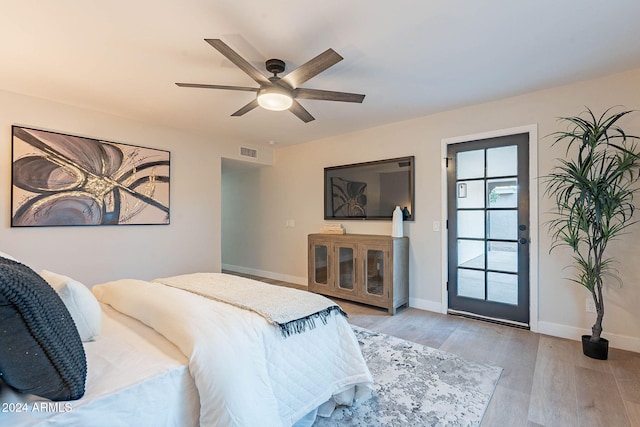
{"x": 40, "y": 349}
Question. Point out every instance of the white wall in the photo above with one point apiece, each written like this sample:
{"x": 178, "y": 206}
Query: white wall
{"x": 293, "y": 189}
{"x": 240, "y": 190}
{"x": 97, "y": 254}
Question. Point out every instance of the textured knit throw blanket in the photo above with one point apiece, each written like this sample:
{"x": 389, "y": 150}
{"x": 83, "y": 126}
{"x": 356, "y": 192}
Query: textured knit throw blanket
{"x": 292, "y": 310}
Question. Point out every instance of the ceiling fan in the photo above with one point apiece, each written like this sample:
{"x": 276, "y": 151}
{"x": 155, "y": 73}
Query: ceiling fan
{"x": 280, "y": 93}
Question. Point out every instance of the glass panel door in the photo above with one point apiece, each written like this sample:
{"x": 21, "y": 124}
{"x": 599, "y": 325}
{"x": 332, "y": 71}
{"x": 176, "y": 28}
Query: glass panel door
{"x": 346, "y": 268}
{"x": 320, "y": 264}
{"x": 488, "y": 227}
{"x": 375, "y": 272}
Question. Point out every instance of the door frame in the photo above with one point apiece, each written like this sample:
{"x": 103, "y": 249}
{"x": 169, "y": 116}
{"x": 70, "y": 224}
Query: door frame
{"x": 532, "y": 130}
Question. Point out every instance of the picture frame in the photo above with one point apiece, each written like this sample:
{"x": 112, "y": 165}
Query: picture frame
{"x": 66, "y": 180}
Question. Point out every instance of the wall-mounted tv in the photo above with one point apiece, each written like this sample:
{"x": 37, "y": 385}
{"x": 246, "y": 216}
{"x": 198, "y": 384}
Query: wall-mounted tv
{"x": 370, "y": 190}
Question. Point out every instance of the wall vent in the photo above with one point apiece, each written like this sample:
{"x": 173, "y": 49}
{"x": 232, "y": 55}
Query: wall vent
{"x": 249, "y": 152}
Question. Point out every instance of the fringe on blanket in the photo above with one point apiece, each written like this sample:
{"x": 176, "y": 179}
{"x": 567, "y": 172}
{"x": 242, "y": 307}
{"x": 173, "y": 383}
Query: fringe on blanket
{"x": 300, "y": 325}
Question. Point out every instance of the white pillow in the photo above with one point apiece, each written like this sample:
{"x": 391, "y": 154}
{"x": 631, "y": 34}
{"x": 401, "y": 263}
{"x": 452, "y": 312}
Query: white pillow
{"x": 82, "y": 305}
{"x": 5, "y": 255}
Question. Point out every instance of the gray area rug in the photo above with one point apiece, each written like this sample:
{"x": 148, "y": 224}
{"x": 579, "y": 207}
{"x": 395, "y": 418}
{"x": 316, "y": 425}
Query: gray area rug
{"x": 415, "y": 385}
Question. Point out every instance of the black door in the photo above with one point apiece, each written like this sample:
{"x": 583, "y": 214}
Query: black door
{"x": 488, "y": 227}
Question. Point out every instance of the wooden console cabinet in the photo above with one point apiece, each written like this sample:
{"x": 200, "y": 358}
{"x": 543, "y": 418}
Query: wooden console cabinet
{"x": 364, "y": 268}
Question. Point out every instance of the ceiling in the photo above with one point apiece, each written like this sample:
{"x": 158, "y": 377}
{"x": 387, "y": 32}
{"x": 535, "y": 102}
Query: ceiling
{"x": 410, "y": 58}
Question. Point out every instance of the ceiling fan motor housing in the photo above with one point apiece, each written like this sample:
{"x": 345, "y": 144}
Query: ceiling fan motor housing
{"x": 275, "y": 66}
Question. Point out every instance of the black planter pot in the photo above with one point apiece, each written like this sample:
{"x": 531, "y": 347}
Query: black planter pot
{"x": 595, "y": 350}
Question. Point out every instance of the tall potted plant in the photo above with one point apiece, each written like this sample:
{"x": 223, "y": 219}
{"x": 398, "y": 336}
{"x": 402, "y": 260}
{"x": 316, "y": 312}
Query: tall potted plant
{"x": 593, "y": 189}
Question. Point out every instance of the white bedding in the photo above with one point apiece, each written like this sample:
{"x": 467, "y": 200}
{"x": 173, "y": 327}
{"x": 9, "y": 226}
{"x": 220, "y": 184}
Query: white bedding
{"x": 135, "y": 377}
{"x": 246, "y": 372}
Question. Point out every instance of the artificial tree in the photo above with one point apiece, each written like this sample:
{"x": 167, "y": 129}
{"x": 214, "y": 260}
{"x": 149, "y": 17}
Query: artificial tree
{"x": 593, "y": 188}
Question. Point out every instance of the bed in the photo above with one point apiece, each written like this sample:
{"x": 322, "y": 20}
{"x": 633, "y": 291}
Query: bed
{"x": 165, "y": 356}
{"x": 135, "y": 377}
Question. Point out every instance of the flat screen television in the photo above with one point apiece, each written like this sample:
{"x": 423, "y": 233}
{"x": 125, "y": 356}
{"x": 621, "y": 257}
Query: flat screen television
{"x": 370, "y": 190}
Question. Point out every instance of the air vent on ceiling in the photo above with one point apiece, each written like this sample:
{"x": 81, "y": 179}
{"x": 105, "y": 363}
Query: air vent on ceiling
{"x": 249, "y": 152}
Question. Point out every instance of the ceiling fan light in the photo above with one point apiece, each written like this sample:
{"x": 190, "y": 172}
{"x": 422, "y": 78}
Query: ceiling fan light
{"x": 274, "y": 99}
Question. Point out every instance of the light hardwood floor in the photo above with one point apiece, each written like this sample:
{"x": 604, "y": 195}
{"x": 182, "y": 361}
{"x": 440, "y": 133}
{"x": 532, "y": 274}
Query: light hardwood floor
{"x": 546, "y": 381}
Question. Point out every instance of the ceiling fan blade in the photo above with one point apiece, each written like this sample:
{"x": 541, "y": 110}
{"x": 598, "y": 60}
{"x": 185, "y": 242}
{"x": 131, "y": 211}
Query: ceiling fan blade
{"x": 239, "y": 61}
{"x": 250, "y": 106}
{"x": 202, "y": 86}
{"x": 311, "y": 68}
{"x": 327, "y": 95}
{"x": 300, "y": 112}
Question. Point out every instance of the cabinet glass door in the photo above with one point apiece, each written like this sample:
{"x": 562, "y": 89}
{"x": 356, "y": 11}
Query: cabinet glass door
{"x": 320, "y": 264}
{"x": 374, "y": 272}
{"x": 346, "y": 268}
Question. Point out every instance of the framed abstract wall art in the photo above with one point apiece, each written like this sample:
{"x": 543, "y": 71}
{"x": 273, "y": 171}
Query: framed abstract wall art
{"x": 64, "y": 180}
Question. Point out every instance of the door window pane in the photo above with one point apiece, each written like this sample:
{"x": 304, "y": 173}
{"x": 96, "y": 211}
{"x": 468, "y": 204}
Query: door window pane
{"x": 471, "y": 224}
{"x": 375, "y": 272}
{"x": 502, "y": 161}
{"x": 470, "y": 194}
{"x": 346, "y": 268}
{"x": 471, "y": 253}
{"x": 502, "y": 193}
{"x": 470, "y": 283}
{"x": 502, "y": 288}
{"x": 470, "y": 164}
{"x": 502, "y": 256}
{"x": 502, "y": 224}
{"x": 320, "y": 263}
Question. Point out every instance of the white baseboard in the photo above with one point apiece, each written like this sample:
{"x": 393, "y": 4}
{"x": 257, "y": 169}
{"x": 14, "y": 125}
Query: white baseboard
{"x": 268, "y": 274}
{"x": 424, "y": 304}
{"x": 623, "y": 342}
